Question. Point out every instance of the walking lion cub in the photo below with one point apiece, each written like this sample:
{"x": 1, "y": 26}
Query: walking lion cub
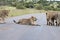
{"x": 30, "y": 21}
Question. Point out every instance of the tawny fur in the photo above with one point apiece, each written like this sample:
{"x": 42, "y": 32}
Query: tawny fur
{"x": 51, "y": 16}
{"x": 3, "y": 14}
{"x": 30, "y": 21}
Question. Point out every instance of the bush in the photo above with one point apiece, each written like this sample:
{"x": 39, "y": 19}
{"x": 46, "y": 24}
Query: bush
{"x": 58, "y": 9}
{"x": 20, "y": 6}
{"x": 54, "y": 9}
{"x": 29, "y": 5}
{"x": 13, "y": 4}
{"x": 47, "y": 8}
{"x": 58, "y": 6}
{"x": 51, "y": 8}
{"x": 39, "y": 6}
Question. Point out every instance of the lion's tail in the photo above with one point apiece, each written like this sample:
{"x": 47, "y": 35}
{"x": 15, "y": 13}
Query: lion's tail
{"x": 15, "y": 22}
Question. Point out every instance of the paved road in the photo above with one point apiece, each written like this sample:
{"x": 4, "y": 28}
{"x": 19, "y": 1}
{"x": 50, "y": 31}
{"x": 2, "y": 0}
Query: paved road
{"x": 11, "y": 31}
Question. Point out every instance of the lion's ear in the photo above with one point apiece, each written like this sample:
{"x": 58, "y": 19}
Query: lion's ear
{"x": 32, "y": 16}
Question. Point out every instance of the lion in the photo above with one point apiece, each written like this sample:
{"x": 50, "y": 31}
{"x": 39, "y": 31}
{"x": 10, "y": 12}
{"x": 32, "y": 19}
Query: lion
{"x": 58, "y": 19}
{"x": 3, "y": 14}
{"x": 51, "y": 17}
{"x": 30, "y": 21}
{"x": 1, "y": 20}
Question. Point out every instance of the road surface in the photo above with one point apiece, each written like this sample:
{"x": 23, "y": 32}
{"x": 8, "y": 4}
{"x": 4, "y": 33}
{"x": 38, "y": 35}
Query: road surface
{"x": 12, "y": 31}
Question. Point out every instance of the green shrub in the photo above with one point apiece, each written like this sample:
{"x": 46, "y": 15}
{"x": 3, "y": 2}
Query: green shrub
{"x": 20, "y": 6}
{"x": 54, "y": 9}
{"x": 58, "y": 9}
{"x": 29, "y": 5}
{"x": 58, "y": 6}
{"x": 51, "y": 8}
{"x": 13, "y": 4}
{"x": 47, "y": 8}
{"x": 39, "y": 6}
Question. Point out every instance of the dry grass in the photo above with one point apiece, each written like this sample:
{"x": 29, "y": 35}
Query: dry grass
{"x": 18, "y": 12}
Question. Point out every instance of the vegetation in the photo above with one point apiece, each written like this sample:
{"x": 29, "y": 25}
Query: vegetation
{"x": 31, "y": 4}
{"x": 20, "y": 6}
{"x": 38, "y": 4}
{"x": 18, "y": 12}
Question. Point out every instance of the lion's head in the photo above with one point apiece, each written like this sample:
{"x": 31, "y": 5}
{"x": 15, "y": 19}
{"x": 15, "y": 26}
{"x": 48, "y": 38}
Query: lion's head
{"x": 33, "y": 18}
{"x": 4, "y": 13}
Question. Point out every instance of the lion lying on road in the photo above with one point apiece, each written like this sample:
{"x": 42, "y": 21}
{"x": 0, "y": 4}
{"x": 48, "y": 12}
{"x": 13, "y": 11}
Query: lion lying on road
{"x": 30, "y": 21}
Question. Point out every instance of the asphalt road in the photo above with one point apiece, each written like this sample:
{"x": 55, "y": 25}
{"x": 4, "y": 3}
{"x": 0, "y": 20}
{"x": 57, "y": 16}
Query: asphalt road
{"x": 12, "y": 31}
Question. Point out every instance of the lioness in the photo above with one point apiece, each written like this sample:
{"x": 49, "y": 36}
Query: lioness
{"x": 3, "y": 14}
{"x": 58, "y": 19}
{"x": 51, "y": 16}
{"x": 30, "y": 21}
{"x": 1, "y": 20}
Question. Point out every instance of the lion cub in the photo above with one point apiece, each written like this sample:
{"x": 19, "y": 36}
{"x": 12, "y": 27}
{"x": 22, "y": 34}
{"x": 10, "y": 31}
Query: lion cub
{"x": 30, "y": 21}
